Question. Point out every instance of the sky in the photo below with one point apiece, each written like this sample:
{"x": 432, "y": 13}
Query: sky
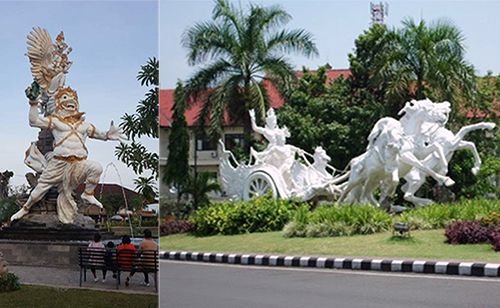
{"x": 335, "y": 25}
{"x": 110, "y": 41}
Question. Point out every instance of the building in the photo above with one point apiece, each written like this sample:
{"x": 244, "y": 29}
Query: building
{"x": 207, "y": 152}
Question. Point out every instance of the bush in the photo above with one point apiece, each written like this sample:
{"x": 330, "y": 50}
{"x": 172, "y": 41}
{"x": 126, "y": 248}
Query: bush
{"x": 175, "y": 227}
{"x": 438, "y": 216}
{"x": 337, "y": 220}
{"x": 491, "y": 220}
{"x": 9, "y": 282}
{"x": 467, "y": 232}
{"x": 259, "y": 215}
{"x": 8, "y": 207}
{"x": 495, "y": 241}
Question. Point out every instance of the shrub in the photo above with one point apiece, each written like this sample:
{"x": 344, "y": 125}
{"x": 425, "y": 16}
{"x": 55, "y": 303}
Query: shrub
{"x": 297, "y": 227}
{"x": 467, "y": 232}
{"x": 175, "y": 227}
{"x": 337, "y": 220}
{"x": 9, "y": 282}
{"x": 258, "y": 215}
{"x": 495, "y": 241}
{"x": 491, "y": 220}
{"x": 438, "y": 216}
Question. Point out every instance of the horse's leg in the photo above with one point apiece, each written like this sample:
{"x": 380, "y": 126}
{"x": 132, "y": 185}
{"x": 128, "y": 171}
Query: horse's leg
{"x": 413, "y": 186}
{"x": 410, "y": 159}
{"x": 388, "y": 189}
{"x": 438, "y": 151}
{"x": 368, "y": 189}
{"x": 472, "y": 147}
{"x": 467, "y": 129}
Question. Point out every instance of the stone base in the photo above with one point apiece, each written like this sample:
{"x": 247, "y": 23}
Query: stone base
{"x": 51, "y": 221}
{"x": 41, "y": 253}
{"x": 66, "y": 233}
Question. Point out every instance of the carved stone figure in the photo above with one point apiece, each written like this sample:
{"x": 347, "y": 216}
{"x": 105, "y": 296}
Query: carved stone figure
{"x": 66, "y": 166}
{"x": 281, "y": 169}
{"x": 414, "y": 147}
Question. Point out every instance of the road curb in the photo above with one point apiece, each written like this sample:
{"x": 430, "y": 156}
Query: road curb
{"x": 385, "y": 265}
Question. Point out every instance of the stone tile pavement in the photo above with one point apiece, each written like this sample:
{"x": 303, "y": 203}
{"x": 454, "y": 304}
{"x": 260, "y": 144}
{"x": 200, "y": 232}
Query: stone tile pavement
{"x": 70, "y": 278}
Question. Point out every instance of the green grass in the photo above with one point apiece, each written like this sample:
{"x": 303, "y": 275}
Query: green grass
{"x": 427, "y": 244}
{"x": 40, "y": 297}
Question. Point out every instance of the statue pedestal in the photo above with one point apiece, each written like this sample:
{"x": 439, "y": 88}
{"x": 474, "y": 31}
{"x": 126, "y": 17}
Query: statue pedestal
{"x": 42, "y": 224}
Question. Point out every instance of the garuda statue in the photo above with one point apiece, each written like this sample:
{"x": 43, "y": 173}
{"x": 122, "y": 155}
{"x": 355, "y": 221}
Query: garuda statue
{"x": 55, "y": 107}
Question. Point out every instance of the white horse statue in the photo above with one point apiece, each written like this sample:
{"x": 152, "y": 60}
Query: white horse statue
{"x": 391, "y": 148}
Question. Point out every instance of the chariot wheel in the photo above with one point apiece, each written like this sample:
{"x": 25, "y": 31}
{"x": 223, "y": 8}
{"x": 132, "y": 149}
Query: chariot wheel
{"x": 259, "y": 184}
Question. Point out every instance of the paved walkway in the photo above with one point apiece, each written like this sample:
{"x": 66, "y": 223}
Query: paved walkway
{"x": 70, "y": 278}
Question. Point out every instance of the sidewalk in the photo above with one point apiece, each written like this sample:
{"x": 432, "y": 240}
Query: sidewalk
{"x": 70, "y": 278}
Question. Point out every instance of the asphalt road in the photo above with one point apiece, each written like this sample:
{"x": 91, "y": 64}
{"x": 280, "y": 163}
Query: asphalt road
{"x": 199, "y": 285}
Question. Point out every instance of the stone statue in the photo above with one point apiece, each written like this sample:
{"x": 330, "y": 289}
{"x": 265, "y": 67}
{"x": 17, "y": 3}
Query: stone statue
{"x": 282, "y": 169}
{"x": 414, "y": 147}
{"x": 66, "y": 166}
{"x": 4, "y": 183}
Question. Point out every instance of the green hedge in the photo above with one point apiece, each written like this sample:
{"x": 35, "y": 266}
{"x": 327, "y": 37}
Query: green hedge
{"x": 9, "y": 282}
{"x": 259, "y": 215}
{"x": 438, "y": 216}
{"x": 336, "y": 220}
{"x": 296, "y": 220}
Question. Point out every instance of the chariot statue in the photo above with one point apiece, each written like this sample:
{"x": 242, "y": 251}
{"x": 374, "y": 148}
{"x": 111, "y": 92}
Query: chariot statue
{"x": 281, "y": 169}
{"x": 414, "y": 147}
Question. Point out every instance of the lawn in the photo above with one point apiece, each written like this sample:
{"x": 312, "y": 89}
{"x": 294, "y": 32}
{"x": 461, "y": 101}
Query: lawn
{"x": 39, "y": 297}
{"x": 422, "y": 245}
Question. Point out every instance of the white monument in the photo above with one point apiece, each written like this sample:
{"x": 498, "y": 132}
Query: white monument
{"x": 283, "y": 170}
{"x": 55, "y": 107}
{"x": 414, "y": 147}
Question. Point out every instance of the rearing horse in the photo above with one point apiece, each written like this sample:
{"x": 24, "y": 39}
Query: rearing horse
{"x": 390, "y": 146}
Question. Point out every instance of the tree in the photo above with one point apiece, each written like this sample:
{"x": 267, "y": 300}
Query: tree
{"x": 239, "y": 50}
{"x": 112, "y": 202}
{"x": 317, "y": 114}
{"x": 146, "y": 187}
{"x": 415, "y": 61}
{"x": 199, "y": 187}
{"x": 144, "y": 122}
{"x": 177, "y": 168}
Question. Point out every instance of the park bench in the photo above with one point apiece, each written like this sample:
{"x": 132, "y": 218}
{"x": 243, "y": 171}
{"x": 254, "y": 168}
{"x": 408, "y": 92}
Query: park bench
{"x": 116, "y": 261}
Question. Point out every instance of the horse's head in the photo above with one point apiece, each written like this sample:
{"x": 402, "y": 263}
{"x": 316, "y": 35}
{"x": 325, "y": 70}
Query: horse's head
{"x": 320, "y": 156}
{"x": 426, "y": 111}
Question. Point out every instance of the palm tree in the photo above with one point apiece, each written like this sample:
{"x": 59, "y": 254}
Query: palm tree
{"x": 237, "y": 52}
{"x": 146, "y": 187}
{"x": 199, "y": 186}
{"x": 416, "y": 61}
{"x": 427, "y": 60}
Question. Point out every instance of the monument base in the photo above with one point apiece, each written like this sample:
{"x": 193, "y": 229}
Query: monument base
{"x": 41, "y": 253}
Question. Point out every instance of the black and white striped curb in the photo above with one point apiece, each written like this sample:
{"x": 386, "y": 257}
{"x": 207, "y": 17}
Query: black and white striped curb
{"x": 428, "y": 267}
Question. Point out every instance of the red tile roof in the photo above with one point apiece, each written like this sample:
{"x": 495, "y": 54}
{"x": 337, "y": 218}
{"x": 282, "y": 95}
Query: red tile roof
{"x": 478, "y": 114}
{"x": 276, "y": 101}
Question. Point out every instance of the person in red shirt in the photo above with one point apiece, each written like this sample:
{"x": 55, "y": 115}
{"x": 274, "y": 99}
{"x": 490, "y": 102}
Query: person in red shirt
{"x": 126, "y": 254}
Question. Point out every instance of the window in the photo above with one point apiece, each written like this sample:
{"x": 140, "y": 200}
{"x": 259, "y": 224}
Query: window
{"x": 204, "y": 143}
{"x": 232, "y": 141}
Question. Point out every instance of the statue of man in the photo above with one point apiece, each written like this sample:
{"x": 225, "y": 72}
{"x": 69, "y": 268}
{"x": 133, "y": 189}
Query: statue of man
{"x": 66, "y": 167}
